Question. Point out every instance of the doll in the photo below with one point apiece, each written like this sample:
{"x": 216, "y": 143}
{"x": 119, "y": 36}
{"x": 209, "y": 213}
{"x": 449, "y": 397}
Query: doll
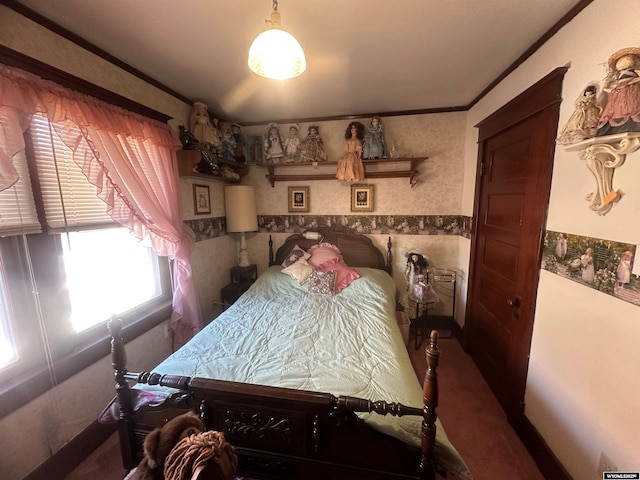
{"x": 417, "y": 264}
{"x": 622, "y": 111}
{"x": 583, "y": 122}
{"x": 350, "y": 165}
{"x": 417, "y": 288}
{"x": 159, "y": 443}
{"x": 228, "y": 141}
{"x": 312, "y": 147}
{"x": 202, "y": 128}
{"x": 187, "y": 139}
{"x": 292, "y": 144}
{"x": 373, "y": 142}
{"x": 273, "y": 147}
{"x": 238, "y": 151}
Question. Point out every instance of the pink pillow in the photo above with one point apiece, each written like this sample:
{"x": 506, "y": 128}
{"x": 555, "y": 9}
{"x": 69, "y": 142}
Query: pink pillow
{"x": 321, "y": 253}
{"x": 345, "y": 274}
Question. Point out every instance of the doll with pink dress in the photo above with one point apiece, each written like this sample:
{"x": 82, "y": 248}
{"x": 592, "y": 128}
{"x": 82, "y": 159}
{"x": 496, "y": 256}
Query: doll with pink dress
{"x": 622, "y": 111}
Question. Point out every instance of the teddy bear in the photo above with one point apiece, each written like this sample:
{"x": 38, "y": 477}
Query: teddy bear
{"x": 160, "y": 441}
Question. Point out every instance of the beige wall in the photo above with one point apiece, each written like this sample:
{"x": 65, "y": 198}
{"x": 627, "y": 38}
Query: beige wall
{"x": 582, "y": 391}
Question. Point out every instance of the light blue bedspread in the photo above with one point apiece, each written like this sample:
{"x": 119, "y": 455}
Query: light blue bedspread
{"x": 278, "y": 334}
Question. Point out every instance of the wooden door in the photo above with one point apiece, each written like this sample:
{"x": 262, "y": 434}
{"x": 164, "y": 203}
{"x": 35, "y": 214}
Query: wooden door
{"x": 516, "y": 150}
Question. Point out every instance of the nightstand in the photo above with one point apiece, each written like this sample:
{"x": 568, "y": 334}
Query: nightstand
{"x": 241, "y": 279}
{"x": 244, "y": 274}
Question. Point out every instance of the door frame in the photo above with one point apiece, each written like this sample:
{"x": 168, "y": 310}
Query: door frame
{"x": 545, "y": 93}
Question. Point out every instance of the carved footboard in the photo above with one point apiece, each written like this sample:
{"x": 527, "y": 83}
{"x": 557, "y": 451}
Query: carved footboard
{"x": 284, "y": 433}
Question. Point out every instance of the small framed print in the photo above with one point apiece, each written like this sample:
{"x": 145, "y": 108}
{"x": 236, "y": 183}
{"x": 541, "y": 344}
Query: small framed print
{"x": 298, "y": 199}
{"x": 362, "y": 198}
{"x": 201, "y": 200}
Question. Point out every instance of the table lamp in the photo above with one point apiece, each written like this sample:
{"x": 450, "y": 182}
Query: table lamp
{"x": 240, "y": 208}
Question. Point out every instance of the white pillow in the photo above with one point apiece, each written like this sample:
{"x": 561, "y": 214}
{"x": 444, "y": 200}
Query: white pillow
{"x": 299, "y": 270}
{"x": 296, "y": 253}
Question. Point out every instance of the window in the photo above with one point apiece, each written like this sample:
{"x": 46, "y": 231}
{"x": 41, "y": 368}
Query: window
{"x": 8, "y": 353}
{"x": 65, "y": 269}
{"x": 128, "y": 275}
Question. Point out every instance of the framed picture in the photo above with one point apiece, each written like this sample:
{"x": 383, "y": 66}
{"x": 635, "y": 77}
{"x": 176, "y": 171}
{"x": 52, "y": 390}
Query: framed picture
{"x": 201, "y": 200}
{"x": 254, "y": 148}
{"x": 362, "y": 198}
{"x": 298, "y": 199}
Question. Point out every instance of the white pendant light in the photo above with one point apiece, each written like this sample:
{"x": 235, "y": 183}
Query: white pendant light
{"x": 276, "y": 54}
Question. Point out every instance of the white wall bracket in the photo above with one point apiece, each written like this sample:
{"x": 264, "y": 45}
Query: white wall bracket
{"x": 602, "y": 156}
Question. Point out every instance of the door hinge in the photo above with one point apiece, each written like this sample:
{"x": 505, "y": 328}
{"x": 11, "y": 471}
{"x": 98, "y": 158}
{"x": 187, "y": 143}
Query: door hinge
{"x": 482, "y": 168}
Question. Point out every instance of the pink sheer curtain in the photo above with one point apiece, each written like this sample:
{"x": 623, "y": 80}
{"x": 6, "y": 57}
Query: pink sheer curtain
{"x": 129, "y": 158}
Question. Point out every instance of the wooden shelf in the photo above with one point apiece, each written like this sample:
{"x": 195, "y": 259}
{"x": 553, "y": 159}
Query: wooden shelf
{"x": 411, "y": 171}
{"x": 189, "y": 159}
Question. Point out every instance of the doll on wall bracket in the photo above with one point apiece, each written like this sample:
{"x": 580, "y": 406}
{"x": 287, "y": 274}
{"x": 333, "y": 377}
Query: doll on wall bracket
{"x": 617, "y": 132}
{"x": 583, "y": 122}
{"x": 273, "y": 145}
{"x": 292, "y": 144}
{"x": 350, "y": 167}
{"x": 374, "y": 145}
{"x": 312, "y": 146}
{"x": 203, "y": 128}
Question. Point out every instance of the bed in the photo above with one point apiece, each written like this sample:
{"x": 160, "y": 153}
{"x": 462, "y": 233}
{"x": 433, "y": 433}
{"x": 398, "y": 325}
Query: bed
{"x": 304, "y": 384}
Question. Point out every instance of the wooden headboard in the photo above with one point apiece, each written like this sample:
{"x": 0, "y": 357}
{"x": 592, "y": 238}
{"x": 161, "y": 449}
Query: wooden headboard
{"x": 357, "y": 250}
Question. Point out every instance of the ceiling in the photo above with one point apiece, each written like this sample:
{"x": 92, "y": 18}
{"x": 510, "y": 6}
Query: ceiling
{"x": 363, "y": 56}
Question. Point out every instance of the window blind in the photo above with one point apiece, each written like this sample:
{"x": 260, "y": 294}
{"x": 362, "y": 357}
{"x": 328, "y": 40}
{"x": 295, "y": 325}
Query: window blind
{"x": 18, "y": 213}
{"x": 70, "y": 201}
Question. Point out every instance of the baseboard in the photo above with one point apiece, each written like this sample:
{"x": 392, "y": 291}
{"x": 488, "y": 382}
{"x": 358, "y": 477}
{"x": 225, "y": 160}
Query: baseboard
{"x": 547, "y": 462}
{"x": 65, "y": 460}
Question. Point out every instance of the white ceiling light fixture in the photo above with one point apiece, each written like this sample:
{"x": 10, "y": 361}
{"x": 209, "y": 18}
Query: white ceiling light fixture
{"x": 276, "y": 54}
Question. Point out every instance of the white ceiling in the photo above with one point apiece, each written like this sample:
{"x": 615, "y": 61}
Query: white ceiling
{"x": 363, "y": 56}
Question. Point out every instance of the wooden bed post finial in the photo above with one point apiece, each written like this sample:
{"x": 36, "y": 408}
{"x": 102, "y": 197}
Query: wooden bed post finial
{"x": 118, "y": 354}
{"x": 270, "y": 251}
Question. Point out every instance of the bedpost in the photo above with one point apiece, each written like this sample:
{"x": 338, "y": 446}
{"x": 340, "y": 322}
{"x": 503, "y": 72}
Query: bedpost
{"x": 125, "y": 415}
{"x": 430, "y": 399}
{"x": 389, "y": 259}
{"x": 270, "y": 251}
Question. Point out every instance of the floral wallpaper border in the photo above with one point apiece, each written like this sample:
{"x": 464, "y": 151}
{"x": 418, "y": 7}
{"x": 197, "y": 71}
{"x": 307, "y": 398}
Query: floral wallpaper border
{"x": 207, "y": 228}
{"x": 604, "y": 265}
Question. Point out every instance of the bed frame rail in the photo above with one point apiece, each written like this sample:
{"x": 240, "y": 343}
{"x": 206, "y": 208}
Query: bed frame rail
{"x": 283, "y": 433}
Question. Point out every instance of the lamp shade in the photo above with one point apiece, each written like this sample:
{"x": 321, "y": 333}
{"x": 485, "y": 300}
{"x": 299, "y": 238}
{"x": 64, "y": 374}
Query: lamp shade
{"x": 276, "y": 54}
{"x": 240, "y": 208}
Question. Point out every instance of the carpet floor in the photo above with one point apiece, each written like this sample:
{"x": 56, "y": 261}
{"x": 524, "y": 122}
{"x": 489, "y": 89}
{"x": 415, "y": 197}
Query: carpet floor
{"x": 472, "y": 417}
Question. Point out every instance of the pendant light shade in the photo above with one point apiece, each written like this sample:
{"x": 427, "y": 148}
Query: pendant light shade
{"x": 276, "y": 54}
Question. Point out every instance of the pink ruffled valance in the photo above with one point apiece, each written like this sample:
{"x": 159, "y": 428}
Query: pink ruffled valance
{"x": 128, "y": 157}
